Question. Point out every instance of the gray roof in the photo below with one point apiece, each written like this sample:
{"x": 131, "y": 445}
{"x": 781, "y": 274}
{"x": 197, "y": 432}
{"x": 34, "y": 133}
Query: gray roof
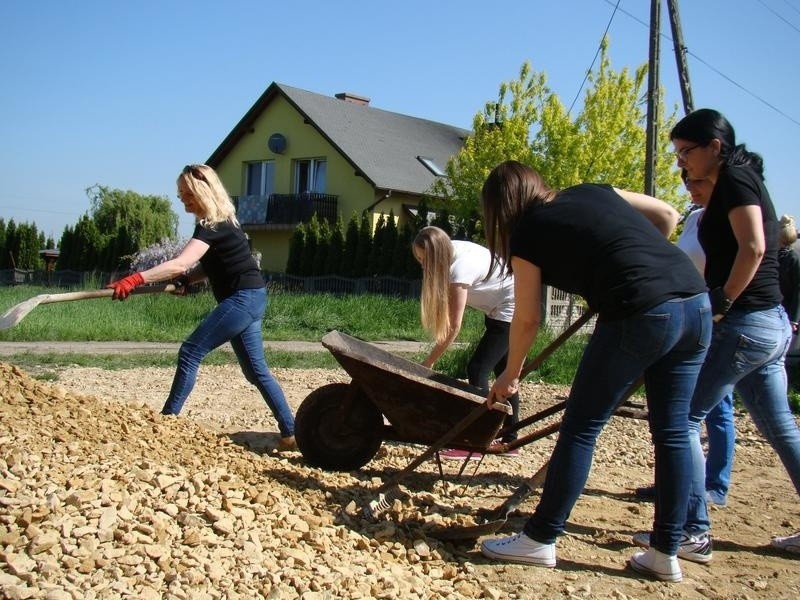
{"x": 382, "y": 146}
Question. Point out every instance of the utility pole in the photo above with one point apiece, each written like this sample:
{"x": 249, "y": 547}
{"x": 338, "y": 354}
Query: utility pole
{"x": 680, "y": 55}
{"x": 652, "y": 98}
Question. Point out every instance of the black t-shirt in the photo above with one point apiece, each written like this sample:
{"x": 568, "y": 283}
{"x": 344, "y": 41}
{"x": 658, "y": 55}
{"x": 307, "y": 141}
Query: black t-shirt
{"x": 589, "y": 241}
{"x": 740, "y": 186}
{"x": 228, "y": 262}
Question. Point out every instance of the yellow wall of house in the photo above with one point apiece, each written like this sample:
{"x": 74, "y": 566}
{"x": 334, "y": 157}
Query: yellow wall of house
{"x": 274, "y": 248}
{"x": 303, "y": 142}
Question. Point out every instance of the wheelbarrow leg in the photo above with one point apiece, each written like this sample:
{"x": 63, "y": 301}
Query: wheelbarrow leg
{"x": 389, "y": 490}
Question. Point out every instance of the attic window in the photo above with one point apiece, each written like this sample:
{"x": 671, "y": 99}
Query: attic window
{"x": 432, "y": 166}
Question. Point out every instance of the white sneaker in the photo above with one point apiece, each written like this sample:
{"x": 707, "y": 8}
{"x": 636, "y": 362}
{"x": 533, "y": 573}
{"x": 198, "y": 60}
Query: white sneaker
{"x": 520, "y": 548}
{"x": 657, "y": 564}
{"x": 696, "y": 548}
{"x": 790, "y": 543}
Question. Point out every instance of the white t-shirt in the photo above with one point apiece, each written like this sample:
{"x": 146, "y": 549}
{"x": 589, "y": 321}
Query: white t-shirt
{"x": 688, "y": 242}
{"x": 495, "y": 296}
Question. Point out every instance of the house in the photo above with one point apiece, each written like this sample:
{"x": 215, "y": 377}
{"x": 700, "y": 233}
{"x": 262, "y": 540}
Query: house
{"x": 296, "y": 153}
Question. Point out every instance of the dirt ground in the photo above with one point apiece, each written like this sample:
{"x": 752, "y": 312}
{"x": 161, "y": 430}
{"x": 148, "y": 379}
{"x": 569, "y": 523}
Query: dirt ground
{"x": 395, "y": 556}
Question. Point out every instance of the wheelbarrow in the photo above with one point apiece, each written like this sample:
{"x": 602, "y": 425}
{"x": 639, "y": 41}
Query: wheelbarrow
{"x": 341, "y": 426}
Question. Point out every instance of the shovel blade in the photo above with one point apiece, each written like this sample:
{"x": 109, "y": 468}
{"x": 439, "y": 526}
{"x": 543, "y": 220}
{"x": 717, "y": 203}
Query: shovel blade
{"x": 16, "y": 313}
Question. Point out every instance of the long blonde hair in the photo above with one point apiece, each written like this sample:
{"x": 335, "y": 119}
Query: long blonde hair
{"x": 788, "y": 231}
{"x": 436, "y": 250}
{"x": 204, "y": 184}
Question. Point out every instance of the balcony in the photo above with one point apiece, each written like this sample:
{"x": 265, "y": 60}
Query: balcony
{"x": 277, "y": 210}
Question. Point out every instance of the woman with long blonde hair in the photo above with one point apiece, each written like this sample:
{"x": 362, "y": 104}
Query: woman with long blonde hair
{"x": 222, "y": 250}
{"x": 456, "y": 274}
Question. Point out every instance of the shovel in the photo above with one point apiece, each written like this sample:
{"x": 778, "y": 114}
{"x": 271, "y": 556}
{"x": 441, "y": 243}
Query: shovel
{"x": 16, "y": 313}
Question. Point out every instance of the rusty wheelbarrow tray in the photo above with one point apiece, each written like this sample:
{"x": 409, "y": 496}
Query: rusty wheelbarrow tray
{"x": 341, "y": 426}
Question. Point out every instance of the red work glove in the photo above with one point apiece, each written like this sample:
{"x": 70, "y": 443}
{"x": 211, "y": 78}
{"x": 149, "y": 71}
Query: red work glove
{"x": 124, "y": 286}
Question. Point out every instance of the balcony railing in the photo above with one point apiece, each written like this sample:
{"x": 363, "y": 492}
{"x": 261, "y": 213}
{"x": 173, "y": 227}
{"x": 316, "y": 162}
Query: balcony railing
{"x": 285, "y": 209}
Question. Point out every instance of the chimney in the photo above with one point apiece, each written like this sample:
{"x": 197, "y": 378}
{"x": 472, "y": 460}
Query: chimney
{"x": 354, "y": 98}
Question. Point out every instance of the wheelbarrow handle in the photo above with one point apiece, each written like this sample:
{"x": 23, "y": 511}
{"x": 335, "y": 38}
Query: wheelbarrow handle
{"x": 537, "y": 361}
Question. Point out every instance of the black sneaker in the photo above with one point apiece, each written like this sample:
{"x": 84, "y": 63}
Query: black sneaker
{"x": 696, "y": 548}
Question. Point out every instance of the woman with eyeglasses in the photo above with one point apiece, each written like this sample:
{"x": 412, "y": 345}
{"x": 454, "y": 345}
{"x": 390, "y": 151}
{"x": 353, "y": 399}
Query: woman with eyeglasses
{"x": 654, "y": 317}
{"x": 221, "y": 248}
{"x": 739, "y": 235}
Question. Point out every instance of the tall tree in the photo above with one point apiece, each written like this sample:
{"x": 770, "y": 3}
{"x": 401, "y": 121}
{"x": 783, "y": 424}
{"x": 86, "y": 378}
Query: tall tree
{"x": 364, "y": 246}
{"x": 296, "y": 245}
{"x": 604, "y": 142}
{"x": 81, "y": 246}
{"x": 333, "y": 261}
{"x": 378, "y": 241}
{"x": 128, "y": 222}
{"x": 351, "y": 237}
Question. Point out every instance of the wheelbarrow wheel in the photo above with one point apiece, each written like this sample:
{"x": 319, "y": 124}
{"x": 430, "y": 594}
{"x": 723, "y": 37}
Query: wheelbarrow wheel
{"x": 336, "y": 438}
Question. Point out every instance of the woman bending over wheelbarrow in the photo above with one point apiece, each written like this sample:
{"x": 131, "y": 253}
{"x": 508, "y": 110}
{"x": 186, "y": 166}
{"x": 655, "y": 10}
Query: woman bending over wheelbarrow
{"x": 654, "y": 317}
{"x": 221, "y": 248}
{"x": 456, "y": 274}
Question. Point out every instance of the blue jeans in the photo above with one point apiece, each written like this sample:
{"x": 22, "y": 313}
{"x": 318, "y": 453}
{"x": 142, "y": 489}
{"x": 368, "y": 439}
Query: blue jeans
{"x": 491, "y": 354}
{"x": 747, "y": 352}
{"x": 237, "y": 319}
{"x": 721, "y": 431}
{"x": 668, "y": 344}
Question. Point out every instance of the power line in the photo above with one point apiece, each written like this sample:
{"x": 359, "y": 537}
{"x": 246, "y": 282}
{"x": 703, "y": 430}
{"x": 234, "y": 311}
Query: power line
{"x": 781, "y": 17}
{"x": 717, "y": 71}
{"x": 41, "y": 210}
{"x": 744, "y": 89}
{"x": 790, "y": 5}
{"x": 596, "y": 54}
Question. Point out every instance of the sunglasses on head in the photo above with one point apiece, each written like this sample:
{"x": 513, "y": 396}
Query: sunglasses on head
{"x": 194, "y": 171}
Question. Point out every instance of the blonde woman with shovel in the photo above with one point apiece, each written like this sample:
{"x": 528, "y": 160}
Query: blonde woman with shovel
{"x": 221, "y": 248}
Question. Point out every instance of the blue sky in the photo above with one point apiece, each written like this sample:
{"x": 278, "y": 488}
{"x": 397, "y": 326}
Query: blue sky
{"x": 124, "y": 93}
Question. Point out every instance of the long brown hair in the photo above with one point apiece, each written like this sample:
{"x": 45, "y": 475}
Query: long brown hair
{"x": 508, "y": 190}
{"x": 436, "y": 250}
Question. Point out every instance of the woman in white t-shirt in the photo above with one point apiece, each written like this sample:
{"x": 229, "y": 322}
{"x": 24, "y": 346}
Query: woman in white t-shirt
{"x": 454, "y": 276}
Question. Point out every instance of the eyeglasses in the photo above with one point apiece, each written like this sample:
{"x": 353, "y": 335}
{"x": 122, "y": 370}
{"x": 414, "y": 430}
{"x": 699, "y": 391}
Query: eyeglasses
{"x": 684, "y": 152}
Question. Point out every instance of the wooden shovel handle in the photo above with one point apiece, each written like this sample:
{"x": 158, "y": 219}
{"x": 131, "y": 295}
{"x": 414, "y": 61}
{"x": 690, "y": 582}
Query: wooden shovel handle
{"x": 103, "y": 293}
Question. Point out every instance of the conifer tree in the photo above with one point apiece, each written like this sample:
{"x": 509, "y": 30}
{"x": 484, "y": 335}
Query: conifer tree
{"x": 296, "y": 244}
{"x": 323, "y": 247}
{"x": 378, "y": 241}
{"x": 310, "y": 247}
{"x": 333, "y": 260}
{"x": 351, "y": 239}
{"x": 390, "y": 239}
{"x": 364, "y": 248}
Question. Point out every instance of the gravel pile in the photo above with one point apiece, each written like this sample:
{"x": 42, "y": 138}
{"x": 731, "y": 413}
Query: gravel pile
{"x": 102, "y": 501}
{"x": 102, "y": 497}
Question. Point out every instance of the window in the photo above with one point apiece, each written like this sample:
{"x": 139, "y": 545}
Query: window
{"x": 260, "y": 178}
{"x": 310, "y": 175}
{"x": 432, "y": 166}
